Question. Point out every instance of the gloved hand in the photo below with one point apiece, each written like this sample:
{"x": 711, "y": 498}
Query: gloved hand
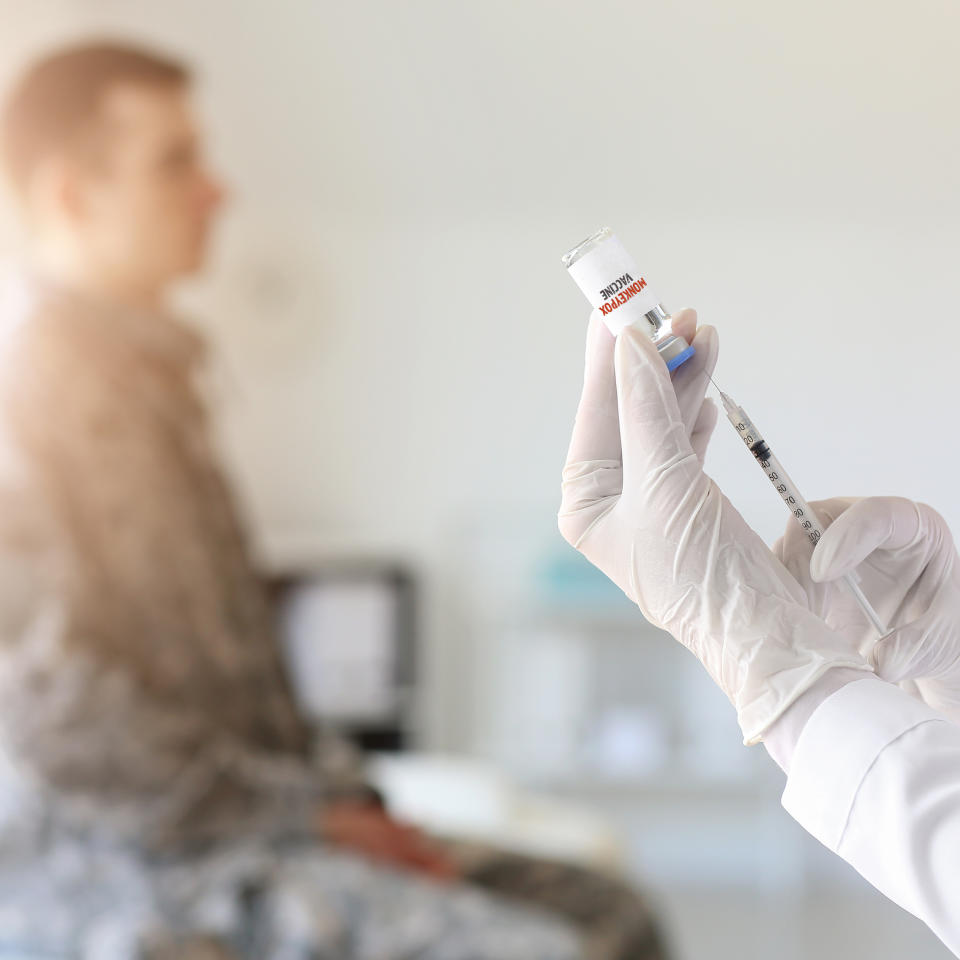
{"x": 907, "y": 563}
{"x": 638, "y": 505}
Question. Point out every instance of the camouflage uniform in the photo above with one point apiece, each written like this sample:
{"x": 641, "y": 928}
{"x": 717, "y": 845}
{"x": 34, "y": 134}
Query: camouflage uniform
{"x": 162, "y": 790}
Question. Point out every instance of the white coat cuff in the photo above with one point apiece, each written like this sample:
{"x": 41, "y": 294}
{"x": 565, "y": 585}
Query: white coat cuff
{"x": 838, "y": 746}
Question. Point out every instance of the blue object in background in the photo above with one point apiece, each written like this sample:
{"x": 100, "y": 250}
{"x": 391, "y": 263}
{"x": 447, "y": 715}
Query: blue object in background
{"x": 565, "y": 578}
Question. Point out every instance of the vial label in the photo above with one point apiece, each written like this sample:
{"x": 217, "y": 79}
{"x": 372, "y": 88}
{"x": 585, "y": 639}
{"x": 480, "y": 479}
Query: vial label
{"x": 610, "y": 280}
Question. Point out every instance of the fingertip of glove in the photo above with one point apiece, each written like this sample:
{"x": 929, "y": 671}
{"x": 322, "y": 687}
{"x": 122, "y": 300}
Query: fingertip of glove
{"x": 684, "y": 322}
{"x": 707, "y": 344}
{"x": 596, "y": 319}
{"x": 821, "y": 564}
{"x": 833, "y": 555}
{"x": 635, "y": 338}
{"x": 707, "y": 332}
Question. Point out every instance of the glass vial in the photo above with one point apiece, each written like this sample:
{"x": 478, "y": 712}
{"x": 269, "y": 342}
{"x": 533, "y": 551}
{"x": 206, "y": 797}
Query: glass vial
{"x": 610, "y": 280}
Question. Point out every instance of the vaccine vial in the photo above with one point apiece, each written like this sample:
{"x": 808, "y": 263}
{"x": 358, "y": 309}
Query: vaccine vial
{"x": 610, "y": 280}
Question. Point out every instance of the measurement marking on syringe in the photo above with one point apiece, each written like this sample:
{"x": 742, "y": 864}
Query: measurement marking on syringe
{"x": 778, "y": 477}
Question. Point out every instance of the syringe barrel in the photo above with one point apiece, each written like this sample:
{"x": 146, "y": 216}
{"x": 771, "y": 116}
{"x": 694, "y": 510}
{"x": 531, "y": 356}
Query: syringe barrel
{"x": 790, "y": 494}
{"x": 784, "y": 485}
{"x": 610, "y": 279}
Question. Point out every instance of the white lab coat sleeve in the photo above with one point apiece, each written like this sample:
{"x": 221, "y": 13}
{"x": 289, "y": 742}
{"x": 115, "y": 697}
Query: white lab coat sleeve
{"x": 876, "y": 778}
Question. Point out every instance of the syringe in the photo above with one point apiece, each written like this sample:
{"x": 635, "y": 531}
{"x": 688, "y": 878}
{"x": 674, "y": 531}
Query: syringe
{"x": 791, "y": 495}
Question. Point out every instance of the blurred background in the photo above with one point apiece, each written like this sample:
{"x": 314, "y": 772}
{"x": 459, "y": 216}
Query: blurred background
{"x": 399, "y": 354}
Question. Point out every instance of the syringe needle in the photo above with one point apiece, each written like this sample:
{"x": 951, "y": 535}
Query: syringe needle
{"x": 728, "y": 404}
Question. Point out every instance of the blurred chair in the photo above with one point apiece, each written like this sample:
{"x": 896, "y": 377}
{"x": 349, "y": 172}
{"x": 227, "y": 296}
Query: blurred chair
{"x": 349, "y": 633}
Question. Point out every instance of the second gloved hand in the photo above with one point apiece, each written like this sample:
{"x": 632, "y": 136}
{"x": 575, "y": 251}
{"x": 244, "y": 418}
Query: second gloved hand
{"x": 904, "y": 555}
{"x": 638, "y": 505}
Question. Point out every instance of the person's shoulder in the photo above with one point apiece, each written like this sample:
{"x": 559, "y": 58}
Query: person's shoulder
{"x": 47, "y": 345}
{"x": 51, "y": 318}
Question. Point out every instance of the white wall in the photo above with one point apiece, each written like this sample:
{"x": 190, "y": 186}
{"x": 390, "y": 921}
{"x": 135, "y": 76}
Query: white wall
{"x": 388, "y": 292}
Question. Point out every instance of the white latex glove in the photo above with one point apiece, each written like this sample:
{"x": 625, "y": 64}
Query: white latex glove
{"x": 638, "y": 505}
{"x": 907, "y": 563}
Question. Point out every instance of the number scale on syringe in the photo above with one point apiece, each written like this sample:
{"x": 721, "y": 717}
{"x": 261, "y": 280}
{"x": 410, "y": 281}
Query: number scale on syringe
{"x": 790, "y": 494}
{"x": 774, "y": 470}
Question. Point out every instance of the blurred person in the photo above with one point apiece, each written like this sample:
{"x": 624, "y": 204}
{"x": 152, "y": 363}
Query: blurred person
{"x": 164, "y": 797}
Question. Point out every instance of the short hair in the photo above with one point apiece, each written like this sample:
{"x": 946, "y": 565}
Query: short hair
{"x": 56, "y": 103}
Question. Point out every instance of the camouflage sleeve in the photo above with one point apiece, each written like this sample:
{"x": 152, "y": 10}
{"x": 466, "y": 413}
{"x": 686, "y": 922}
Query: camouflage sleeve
{"x": 107, "y": 757}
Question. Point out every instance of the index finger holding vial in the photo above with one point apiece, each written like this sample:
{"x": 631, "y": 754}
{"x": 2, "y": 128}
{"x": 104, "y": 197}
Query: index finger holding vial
{"x": 684, "y": 323}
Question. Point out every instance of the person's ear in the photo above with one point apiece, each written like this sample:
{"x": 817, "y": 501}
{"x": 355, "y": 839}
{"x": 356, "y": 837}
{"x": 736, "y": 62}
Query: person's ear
{"x": 57, "y": 191}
